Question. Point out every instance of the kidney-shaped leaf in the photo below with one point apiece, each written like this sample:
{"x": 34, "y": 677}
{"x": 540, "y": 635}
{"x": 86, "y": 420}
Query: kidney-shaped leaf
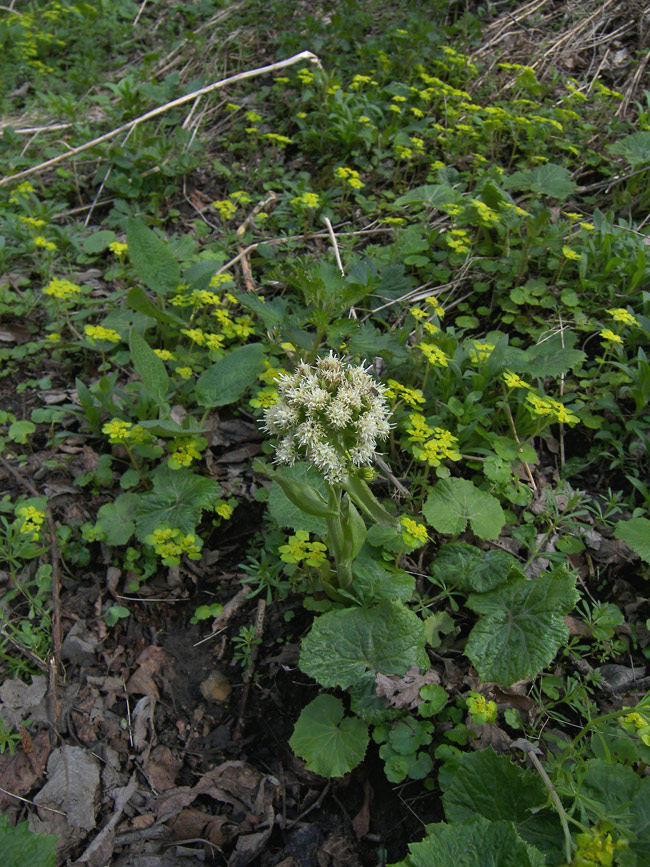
{"x": 347, "y": 647}
{"x": 454, "y": 502}
{"x": 476, "y": 842}
{"x": 522, "y": 628}
{"x": 330, "y": 745}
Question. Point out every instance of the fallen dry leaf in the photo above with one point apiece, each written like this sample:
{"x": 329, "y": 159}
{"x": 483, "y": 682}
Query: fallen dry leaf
{"x": 404, "y": 691}
{"x": 150, "y": 662}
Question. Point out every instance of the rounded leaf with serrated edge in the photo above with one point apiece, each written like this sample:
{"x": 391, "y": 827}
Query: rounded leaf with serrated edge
{"x": 330, "y": 744}
{"x": 347, "y": 647}
{"x": 454, "y": 502}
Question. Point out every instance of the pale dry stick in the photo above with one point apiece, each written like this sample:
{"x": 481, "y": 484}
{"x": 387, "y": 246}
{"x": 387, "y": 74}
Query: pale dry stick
{"x": 556, "y": 802}
{"x": 101, "y": 186}
{"x": 27, "y": 801}
{"x": 245, "y": 264}
{"x": 335, "y": 246}
{"x": 140, "y": 11}
{"x": 574, "y": 32}
{"x": 161, "y": 109}
{"x": 33, "y": 129}
{"x": 291, "y": 238}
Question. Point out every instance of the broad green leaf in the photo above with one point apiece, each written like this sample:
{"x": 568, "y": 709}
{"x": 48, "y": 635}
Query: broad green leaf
{"x": 21, "y": 848}
{"x": 522, "y": 628}
{"x": 272, "y": 312}
{"x": 454, "y": 502}
{"x": 373, "y": 583}
{"x": 636, "y": 532}
{"x": 288, "y": 515}
{"x": 230, "y": 376}
{"x": 177, "y": 499}
{"x": 149, "y": 368}
{"x": 367, "y": 341}
{"x": 476, "y": 842}
{"x": 429, "y": 194}
{"x": 634, "y": 147}
{"x": 510, "y": 450}
{"x": 117, "y": 520}
{"x": 365, "y": 702}
{"x": 20, "y": 431}
{"x": 345, "y": 647}
{"x": 547, "y": 180}
{"x": 330, "y": 744}
{"x": 552, "y": 357}
{"x": 98, "y": 241}
{"x": 490, "y": 785}
{"x": 609, "y": 788}
{"x": 153, "y": 262}
{"x": 470, "y": 569}
{"x": 138, "y": 300}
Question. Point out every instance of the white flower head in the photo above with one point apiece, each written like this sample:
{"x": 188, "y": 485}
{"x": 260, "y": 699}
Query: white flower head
{"x": 331, "y": 414}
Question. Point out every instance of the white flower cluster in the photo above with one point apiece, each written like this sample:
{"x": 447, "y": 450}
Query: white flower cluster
{"x": 331, "y": 414}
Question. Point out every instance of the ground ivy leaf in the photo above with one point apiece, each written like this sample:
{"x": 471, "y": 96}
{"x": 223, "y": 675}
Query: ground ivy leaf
{"x": 454, "y": 502}
{"x": 476, "y": 842}
{"x": 177, "y": 499}
{"x": 330, "y": 745}
{"x": 347, "y": 647}
{"x": 521, "y": 795}
{"x": 636, "y": 532}
{"x": 229, "y": 377}
{"x": 522, "y": 628}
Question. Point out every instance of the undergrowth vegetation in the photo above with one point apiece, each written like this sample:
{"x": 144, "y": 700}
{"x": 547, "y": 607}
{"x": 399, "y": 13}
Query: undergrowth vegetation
{"x": 393, "y": 246}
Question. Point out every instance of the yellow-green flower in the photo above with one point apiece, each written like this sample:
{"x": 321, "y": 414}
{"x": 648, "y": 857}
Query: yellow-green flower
{"x": 482, "y": 710}
{"x": 186, "y": 450}
{"x": 568, "y": 253}
{"x": 433, "y": 354}
{"x": 119, "y": 248}
{"x": 265, "y": 398}
{"x": 480, "y": 351}
{"x": 307, "y": 200}
{"x": 512, "y": 380}
{"x": 165, "y": 354}
{"x": 544, "y": 406}
{"x": 442, "y": 446}
{"x": 349, "y": 176}
{"x": 414, "y": 534}
{"x": 299, "y": 548}
{"x": 32, "y": 519}
{"x": 608, "y": 334}
{"x": 98, "y": 332}
{"x": 411, "y": 396}
{"x": 619, "y": 314}
{"x": 184, "y": 372}
{"x": 419, "y": 430}
{"x": 226, "y": 208}
{"x": 195, "y": 335}
{"x": 117, "y": 430}
{"x": 224, "y": 510}
{"x": 43, "y": 243}
{"x": 170, "y": 544}
{"x": 61, "y": 289}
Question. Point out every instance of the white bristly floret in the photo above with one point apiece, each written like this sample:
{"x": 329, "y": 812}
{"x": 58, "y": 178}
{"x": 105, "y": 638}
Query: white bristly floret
{"x": 331, "y": 414}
